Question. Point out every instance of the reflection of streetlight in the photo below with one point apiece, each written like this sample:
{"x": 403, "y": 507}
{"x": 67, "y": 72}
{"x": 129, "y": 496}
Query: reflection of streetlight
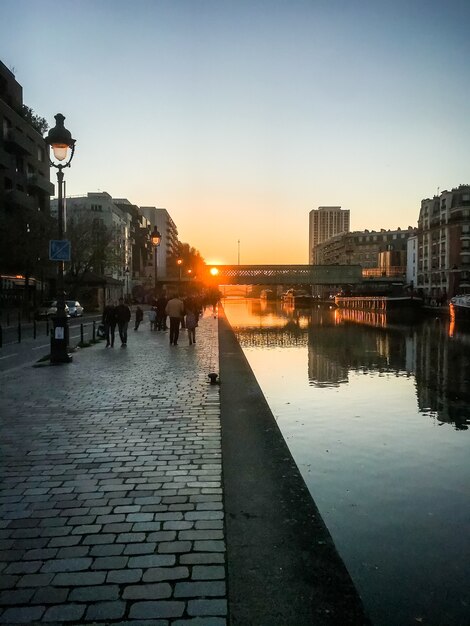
{"x": 60, "y": 140}
{"x": 126, "y": 272}
{"x": 156, "y": 238}
{"x": 179, "y": 262}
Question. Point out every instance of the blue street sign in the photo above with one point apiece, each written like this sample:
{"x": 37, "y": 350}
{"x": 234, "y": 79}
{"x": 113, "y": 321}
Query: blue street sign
{"x": 59, "y": 250}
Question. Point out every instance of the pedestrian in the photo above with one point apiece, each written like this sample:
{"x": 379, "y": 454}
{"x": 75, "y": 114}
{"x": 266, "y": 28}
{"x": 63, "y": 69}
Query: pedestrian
{"x": 152, "y": 315}
{"x": 191, "y": 323}
{"x": 161, "y": 313}
{"x": 139, "y": 316}
{"x": 123, "y": 316}
{"x": 109, "y": 320}
{"x": 175, "y": 310}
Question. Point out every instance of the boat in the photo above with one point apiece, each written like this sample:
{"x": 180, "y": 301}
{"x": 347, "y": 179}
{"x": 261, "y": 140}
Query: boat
{"x": 379, "y": 303}
{"x": 267, "y": 294}
{"x": 460, "y": 307}
{"x": 297, "y": 298}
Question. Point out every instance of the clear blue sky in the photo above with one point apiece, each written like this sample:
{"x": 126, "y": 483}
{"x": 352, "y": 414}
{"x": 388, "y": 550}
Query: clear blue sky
{"x": 239, "y": 117}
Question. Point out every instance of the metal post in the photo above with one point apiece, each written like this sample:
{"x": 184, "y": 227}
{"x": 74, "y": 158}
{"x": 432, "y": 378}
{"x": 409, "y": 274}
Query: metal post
{"x": 1, "y": 336}
{"x": 94, "y": 331}
{"x": 81, "y": 334}
{"x": 19, "y": 327}
{"x": 60, "y": 334}
{"x": 156, "y": 272}
{"x": 34, "y": 329}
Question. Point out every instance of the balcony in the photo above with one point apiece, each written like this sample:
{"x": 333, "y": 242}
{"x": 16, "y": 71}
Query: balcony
{"x": 37, "y": 181}
{"x": 20, "y": 200}
{"x": 18, "y": 142}
{"x": 5, "y": 160}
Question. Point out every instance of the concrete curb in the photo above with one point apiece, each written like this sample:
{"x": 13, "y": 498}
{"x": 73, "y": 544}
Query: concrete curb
{"x": 283, "y": 568}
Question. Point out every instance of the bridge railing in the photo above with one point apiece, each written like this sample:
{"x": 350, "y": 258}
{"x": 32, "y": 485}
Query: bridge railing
{"x": 285, "y": 274}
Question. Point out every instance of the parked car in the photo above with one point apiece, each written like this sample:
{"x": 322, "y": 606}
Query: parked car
{"x": 49, "y": 309}
{"x": 75, "y": 308}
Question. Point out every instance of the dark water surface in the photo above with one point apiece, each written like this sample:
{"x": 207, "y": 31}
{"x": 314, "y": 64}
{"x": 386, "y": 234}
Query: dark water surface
{"x": 376, "y": 416}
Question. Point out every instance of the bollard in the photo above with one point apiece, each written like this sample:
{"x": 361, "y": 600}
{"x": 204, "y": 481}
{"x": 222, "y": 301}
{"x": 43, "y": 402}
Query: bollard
{"x": 94, "y": 331}
{"x": 34, "y": 329}
{"x": 81, "y": 334}
{"x": 1, "y": 336}
{"x": 213, "y": 378}
{"x": 47, "y": 326}
{"x": 19, "y": 328}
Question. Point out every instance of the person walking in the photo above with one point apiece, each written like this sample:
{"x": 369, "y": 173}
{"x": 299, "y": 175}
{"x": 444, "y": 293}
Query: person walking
{"x": 175, "y": 310}
{"x": 123, "y": 316}
{"x": 139, "y": 316}
{"x": 192, "y": 317}
{"x": 161, "y": 314}
{"x": 109, "y": 320}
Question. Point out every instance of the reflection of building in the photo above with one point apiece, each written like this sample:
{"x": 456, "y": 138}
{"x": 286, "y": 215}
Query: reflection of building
{"x": 444, "y": 244}
{"x": 324, "y": 223}
{"x": 443, "y": 374}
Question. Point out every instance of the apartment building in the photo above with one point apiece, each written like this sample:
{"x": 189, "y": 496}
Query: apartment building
{"x": 378, "y": 252}
{"x": 99, "y": 209}
{"x": 168, "y": 248}
{"x": 324, "y": 223}
{"x": 444, "y": 244}
{"x": 25, "y": 186}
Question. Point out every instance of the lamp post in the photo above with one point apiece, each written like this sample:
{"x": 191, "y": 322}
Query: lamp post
{"x": 156, "y": 239}
{"x": 60, "y": 140}
{"x": 179, "y": 263}
{"x": 126, "y": 273}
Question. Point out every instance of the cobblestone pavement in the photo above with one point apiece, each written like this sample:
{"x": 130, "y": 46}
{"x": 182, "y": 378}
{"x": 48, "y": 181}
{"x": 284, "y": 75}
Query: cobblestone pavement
{"x": 111, "y": 488}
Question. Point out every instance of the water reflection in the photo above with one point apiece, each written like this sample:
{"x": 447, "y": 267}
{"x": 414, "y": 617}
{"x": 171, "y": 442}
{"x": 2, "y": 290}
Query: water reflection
{"x": 376, "y": 417}
{"x": 341, "y": 341}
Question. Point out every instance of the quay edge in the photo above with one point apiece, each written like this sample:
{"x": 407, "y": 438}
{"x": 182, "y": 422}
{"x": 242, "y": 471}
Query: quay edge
{"x": 283, "y": 567}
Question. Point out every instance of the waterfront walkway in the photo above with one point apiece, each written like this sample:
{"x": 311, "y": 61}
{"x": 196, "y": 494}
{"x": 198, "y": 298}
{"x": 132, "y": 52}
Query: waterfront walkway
{"x": 117, "y": 506}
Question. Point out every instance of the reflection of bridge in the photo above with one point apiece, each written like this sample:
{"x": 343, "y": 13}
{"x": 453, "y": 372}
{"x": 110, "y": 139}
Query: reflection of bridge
{"x": 285, "y": 274}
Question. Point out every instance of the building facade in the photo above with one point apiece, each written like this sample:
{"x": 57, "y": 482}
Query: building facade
{"x": 93, "y": 211}
{"x": 324, "y": 223}
{"x": 380, "y": 253}
{"x": 25, "y": 186}
{"x": 444, "y": 244}
{"x": 168, "y": 248}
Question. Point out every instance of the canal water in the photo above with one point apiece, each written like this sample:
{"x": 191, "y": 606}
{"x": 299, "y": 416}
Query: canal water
{"x": 376, "y": 416}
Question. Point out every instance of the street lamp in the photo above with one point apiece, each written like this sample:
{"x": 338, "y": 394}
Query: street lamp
{"x": 179, "y": 262}
{"x": 156, "y": 239}
{"x": 60, "y": 140}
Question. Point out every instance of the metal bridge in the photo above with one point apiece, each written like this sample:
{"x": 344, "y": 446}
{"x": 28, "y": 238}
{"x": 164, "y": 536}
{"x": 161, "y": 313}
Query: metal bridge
{"x": 284, "y": 274}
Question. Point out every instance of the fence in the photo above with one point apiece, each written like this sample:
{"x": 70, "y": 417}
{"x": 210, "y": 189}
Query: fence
{"x": 18, "y": 330}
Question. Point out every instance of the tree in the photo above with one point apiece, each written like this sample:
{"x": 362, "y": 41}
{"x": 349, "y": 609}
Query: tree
{"x": 95, "y": 247}
{"x": 37, "y": 122}
{"x": 192, "y": 259}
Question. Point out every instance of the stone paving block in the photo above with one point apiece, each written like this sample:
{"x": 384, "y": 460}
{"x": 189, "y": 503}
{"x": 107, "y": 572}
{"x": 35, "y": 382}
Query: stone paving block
{"x": 140, "y": 548}
{"x": 208, "y": 572}
{"x": 50, "y": 595}
{"x": 191, "y": 589}
{"x": 201, "y": 621}
{"x": 16, "y": 596}
{"x": 35, "y": 580}
{"x": 22, "y": 615}
{"x": 152, "y": 560}
{"x": 67, "y": 565}
{"x": 202, "y": 558}
{"x": 207, "y": 607}
{"x": 157, "y": 591}
{"x": 64, "y": 612}
{"x": 98, "y": 593}
{"x": 107, "y": 549}
{"x": 76, "y": 579}
{"x": 124, "y": 576}
{"x": 155, "y": 574}
{"x": 149, "y": 610}
{"x": 106, "y": 610}
{"x": 109, "y": 562}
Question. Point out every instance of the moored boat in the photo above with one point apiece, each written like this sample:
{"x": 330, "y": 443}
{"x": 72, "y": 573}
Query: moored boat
{"x": 460, "y": 307}
{"x": 267, "y": 294}
{"x": 297, "y": 298}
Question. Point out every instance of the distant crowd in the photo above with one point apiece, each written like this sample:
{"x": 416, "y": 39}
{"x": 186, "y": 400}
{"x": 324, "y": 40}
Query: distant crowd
{"x": 173, "y": 313}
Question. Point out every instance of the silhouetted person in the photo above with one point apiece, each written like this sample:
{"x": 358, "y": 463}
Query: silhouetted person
{"x": 191, "y": 321}
{"x": 175, "y": 310}
{"x": 139, "y": 316}
{"x": 161, "y": 312}
{"x": 109, "y": 320}
{"x": 123, "y": 316}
